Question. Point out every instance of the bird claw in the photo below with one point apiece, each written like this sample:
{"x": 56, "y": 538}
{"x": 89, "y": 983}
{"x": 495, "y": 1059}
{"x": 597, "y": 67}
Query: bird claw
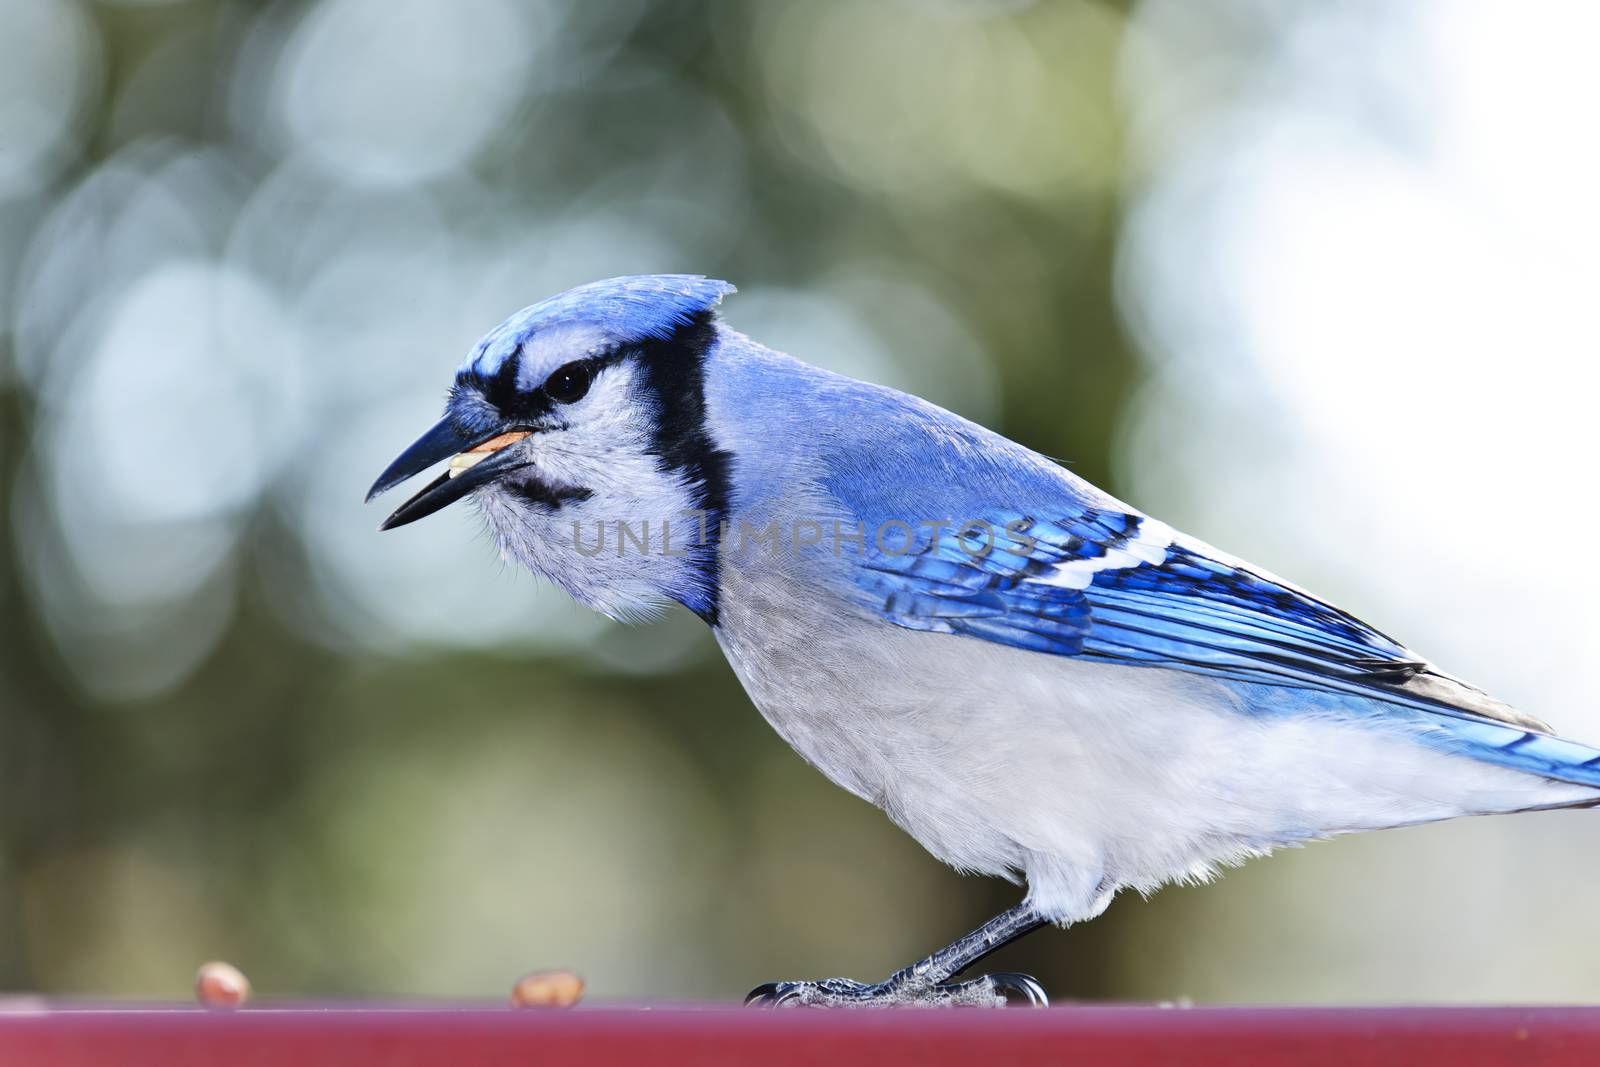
{"x": 1022, "y": 988}
{"x": 798, "y": 994}
{"x": 990, "y": 991}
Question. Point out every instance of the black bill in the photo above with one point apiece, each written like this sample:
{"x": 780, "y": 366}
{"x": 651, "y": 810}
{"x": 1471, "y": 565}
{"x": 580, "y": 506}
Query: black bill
{"x": 440, "y": 443}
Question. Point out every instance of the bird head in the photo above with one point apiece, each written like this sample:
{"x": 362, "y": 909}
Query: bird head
{"x": 579, "y": 413}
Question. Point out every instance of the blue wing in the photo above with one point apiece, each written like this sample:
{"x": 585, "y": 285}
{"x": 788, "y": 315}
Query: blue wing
{"x": 1115, "y": 586}
{"x": 1062, "y": 568}
{"x": 1112, "y": 585}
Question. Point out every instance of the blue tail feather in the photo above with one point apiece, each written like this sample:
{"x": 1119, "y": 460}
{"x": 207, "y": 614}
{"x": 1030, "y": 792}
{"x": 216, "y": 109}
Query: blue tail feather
{"x": 1504, "y": 745}
{"x": 1500, "y": 744}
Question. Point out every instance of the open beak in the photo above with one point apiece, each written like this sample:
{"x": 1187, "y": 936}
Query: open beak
{"x": 473, "y": 462}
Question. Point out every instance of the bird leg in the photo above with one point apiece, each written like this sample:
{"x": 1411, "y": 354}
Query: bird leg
{"x": 928, "y": 981}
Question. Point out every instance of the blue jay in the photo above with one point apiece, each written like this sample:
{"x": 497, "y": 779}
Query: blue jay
{"x": 1032, "y": 678}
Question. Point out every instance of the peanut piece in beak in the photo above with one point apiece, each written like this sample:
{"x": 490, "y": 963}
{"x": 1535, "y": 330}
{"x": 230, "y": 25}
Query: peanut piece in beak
{"x": 462, "y": 461}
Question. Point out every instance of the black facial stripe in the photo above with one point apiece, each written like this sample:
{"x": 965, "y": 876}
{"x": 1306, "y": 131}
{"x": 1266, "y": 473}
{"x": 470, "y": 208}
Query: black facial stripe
{"x": 673, "y": 371}
{"x": 545, "y": 496}
{"x": 501, "y": 390}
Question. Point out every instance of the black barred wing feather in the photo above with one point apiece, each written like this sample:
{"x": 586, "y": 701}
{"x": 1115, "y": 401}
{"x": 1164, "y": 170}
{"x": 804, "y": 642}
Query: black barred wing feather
{"x": 1122, "y": 587}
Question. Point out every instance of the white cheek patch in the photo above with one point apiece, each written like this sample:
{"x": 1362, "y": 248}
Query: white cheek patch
{"x": 1149, "y": 547}
{"x": 605, "y": 449}
{"x": 603, "y": 443}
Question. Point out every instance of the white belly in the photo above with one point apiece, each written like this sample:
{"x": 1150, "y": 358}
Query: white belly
{"x": 1081, "y": 776}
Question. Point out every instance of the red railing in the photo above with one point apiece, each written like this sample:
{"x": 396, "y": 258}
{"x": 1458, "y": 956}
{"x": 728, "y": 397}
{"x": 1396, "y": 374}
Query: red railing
{"x": 1104, "y": 1036}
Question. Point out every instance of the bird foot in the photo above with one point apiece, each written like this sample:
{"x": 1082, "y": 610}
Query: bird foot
{"x": 990, "y": 991}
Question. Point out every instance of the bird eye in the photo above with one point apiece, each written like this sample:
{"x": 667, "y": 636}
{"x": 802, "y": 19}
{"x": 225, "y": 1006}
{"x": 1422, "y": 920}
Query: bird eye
{"x": 568, "y": 383}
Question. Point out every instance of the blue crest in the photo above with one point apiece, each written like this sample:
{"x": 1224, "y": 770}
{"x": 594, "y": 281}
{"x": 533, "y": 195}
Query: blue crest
{"x": 620, "y": 310}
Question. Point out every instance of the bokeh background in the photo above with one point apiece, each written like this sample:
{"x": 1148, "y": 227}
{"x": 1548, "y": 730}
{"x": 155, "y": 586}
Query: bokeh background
{"x": 1313, "y": 280}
